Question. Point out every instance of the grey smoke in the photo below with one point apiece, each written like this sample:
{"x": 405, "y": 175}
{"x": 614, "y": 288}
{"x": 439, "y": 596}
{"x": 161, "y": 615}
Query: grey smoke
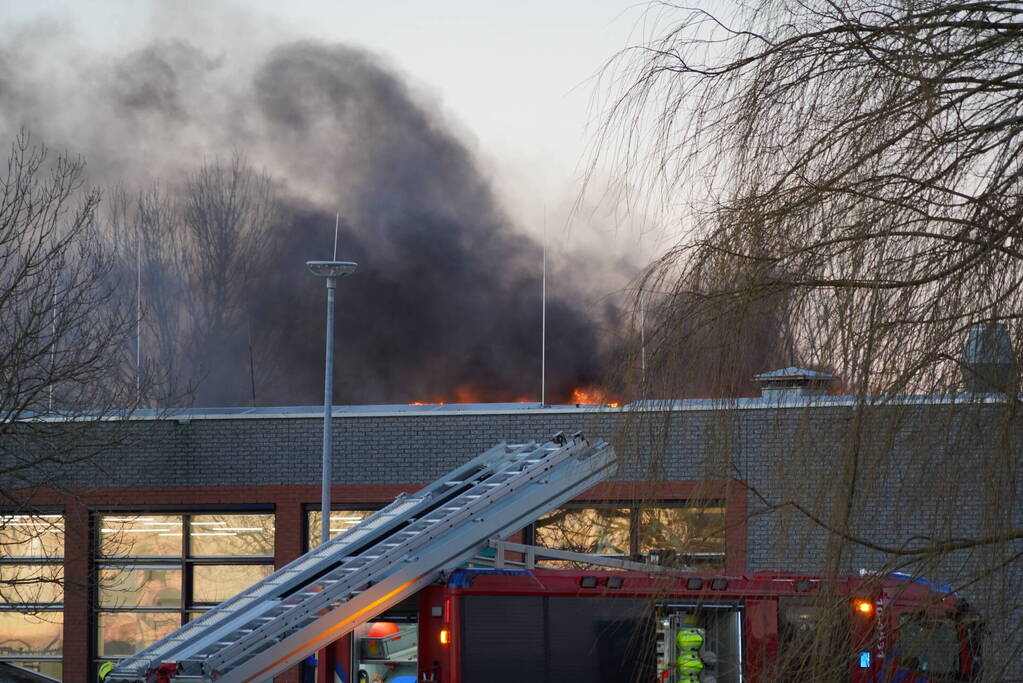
{"x": 447, "y": 296}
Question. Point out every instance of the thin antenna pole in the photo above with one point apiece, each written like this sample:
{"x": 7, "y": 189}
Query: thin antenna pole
{"x": 337, "y": 224}
{"x": 543, "y": 316}
{"x": 138, "y": 317}
{"x": 53, "y": 345}
{"x": 642, "y": 338}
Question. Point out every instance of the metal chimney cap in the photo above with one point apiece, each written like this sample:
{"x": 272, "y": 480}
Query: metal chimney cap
{"x": 331, "y": 268}
{"x": 793, "y": 373}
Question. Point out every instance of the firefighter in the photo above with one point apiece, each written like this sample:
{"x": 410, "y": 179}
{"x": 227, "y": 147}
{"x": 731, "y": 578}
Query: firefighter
{"x": 688, "y": 663}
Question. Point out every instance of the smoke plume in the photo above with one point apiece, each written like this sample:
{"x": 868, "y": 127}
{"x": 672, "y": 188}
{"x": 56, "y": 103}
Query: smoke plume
{"x": 445, "y": 304}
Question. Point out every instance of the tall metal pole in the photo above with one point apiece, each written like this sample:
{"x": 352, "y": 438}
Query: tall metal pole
{"x": 328, "y": 409}
{"x": 330, "y": 271}
{"x": 543, "y": 316}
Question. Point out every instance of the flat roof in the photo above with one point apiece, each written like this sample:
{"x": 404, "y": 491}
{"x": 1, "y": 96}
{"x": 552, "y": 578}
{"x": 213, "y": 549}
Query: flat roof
{"x": 449, "y": 409}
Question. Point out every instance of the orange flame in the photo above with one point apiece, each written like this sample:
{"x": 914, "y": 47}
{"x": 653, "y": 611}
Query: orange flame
{"x": 469, "y": 393}
{"x": 592, "y": 396}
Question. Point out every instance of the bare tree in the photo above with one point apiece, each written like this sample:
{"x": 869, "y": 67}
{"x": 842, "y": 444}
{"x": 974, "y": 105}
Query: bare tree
{"x": 228, "y": 211}
{"x": 851, "y": 173}
{"x": 145, "y": 231}
{"x": 192, "y": 252}
{"x": 62, "y": 347}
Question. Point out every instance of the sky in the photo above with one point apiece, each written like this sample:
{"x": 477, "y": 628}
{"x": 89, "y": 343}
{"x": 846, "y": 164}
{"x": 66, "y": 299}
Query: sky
{"x": 517, "y": 81}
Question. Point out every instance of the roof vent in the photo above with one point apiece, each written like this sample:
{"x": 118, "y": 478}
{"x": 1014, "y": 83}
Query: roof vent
{"x": 989, "y": 363}
{"x": 793, "y": 382}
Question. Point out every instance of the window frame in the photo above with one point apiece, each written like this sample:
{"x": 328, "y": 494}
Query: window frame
{"x": 635, "y": 510}
{"x": 183, "y": 561}
{"x": 37, "y": 608}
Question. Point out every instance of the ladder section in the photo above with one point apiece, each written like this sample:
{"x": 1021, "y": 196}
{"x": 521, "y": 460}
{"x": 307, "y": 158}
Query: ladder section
{"x": 328, "y": 592}
{"x": 254, "y": 600}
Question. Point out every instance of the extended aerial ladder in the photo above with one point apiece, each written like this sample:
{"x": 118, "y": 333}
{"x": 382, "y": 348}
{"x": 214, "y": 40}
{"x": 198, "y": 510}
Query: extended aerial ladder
{"x": 331, "y": 590}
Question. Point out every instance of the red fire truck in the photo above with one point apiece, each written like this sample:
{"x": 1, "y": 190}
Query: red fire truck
{"x": 601, "y": 626}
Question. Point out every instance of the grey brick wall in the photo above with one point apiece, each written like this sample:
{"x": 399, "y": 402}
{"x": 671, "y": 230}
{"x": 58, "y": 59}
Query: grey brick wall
{"x": 919, "y": 469}
{"x": 927, "y": 470}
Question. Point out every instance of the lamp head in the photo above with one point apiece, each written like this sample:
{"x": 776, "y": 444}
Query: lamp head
{"x": 331, "y": 268}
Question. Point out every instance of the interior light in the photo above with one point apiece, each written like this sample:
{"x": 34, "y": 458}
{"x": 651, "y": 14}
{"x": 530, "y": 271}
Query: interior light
{"x": 864, "y": 607}
{"x": 445, "y": 636}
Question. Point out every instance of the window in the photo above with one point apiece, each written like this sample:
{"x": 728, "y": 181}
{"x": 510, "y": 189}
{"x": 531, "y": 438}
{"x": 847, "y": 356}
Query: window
{"x": 928, "y": 644}
{"x": 32, "y": 592}
{"x": 340, "y": 520}
{"x": 686, "y": 533}
{"x": 814, "y": 640}
{"x": 156, "y": 571}
{"x": 601, "y": 530}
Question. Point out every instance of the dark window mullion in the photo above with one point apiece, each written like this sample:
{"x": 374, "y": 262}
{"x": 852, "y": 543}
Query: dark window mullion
{"x": 232, "y": 559}
{"x": 634, "y": 521}
{"x": 186, "y": 566}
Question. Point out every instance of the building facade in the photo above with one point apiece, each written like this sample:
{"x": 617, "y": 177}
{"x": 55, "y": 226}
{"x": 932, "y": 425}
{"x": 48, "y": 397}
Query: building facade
{"x": 177, "y": 511}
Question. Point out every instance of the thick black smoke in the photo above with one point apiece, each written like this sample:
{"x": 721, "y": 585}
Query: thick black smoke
{"x": 446, "y": 300}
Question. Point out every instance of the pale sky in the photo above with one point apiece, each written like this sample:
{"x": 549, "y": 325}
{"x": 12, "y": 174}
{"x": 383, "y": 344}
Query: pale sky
{"x": 515, "y": 79}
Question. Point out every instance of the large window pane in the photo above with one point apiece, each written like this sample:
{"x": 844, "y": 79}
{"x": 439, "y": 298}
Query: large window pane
{"x": 125, "y": 633}
{"x": 598, "y": 530}
{"x": 54, "y": 668}
{"x": 140, "y": 587}
{"x": 31, "y": 635}
{"x": 214, "y": 583}
{"x": 31, "y": 583}
{"x": 31, "y": 536}
{"x": 682, "y": 529}
{"x": 340, "y": 521}
{"x": 154, "y": 571}
{"x": 140, "y": 536}
{"x": 232, "y": 535}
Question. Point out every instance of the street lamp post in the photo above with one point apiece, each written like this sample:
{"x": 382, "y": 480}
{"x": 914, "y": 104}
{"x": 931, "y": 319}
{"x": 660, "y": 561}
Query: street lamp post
{"x": 331, "y": 271}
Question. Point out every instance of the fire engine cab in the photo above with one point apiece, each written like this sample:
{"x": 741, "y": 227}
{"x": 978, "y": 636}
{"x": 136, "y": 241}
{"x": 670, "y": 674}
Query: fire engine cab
{"x": 605, "y": 626}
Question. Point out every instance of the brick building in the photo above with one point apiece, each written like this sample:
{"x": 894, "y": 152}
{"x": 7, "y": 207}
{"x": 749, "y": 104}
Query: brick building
{"x": 179, "y": 510}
